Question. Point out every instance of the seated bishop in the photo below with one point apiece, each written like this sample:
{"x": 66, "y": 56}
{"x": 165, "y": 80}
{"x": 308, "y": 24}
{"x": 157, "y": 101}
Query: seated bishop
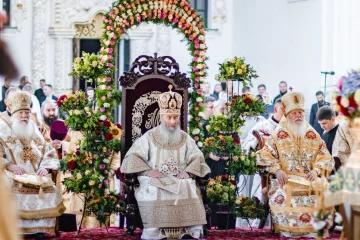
{"x": 298, "y": 157}
{"x": 27, "y": 158}
{"x": 167, "y": 159}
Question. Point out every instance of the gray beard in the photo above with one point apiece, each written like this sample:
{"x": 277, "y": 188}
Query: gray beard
{"x": 295, "y": 129}
{"x": 170, "y": 137}
{"x": 22, "y": 131}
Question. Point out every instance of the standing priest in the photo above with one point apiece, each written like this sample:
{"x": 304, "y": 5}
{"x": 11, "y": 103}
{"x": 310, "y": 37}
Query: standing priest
{"x": 167, "y": 160}
{"x": 297, "y": 155}
{"x": 27, "y": 158}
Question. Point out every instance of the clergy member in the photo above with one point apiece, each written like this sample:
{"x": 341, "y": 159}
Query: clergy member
{"x": 167, "y": 159}
{"x": 294, "y": 152}
{"x": 25, "y": 151}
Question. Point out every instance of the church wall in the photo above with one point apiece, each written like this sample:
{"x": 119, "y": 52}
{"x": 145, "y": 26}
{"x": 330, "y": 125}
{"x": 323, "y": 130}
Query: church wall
{"x": 282, "y": 41}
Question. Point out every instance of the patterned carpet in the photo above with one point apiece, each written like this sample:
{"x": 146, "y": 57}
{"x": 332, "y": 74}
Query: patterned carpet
{"x": 116, "y": 233}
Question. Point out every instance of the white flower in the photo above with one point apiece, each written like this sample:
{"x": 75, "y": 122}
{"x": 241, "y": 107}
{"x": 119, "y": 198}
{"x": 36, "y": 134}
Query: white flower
{"x": 101, "y": 80}
{"x": 201, "y": 114}
{"x": 319, "y": 225}
{"x": 200, "y": 59}
{"x": 102, "y": 117}
{"x": 78, "y": 176}
{"x": 196, "y": 131}
{"x": 107, "y": 42}
{"x": 104, "y": 58}
{"x": 189, "y": 19}
{"x": 344, "y": 102}
{"x": 87, "y": 172}
{"x": 106, "y": 160}
{"x": 200, "y": 144}
{"x": 106, "y": 105}
{"x": 202, "y": 79}
{"x": 201, "y": 37}
{"x": 102, "y": 87}
{"x": 202, "y": 53}
{"x": 199, "y": 66}
{"x": 107, "y": 191}
{"x": 199, "y": 99}
{"x": 91, "y": 183}
{"x": 338, "y": 218}
{"x": 202, "y": 46}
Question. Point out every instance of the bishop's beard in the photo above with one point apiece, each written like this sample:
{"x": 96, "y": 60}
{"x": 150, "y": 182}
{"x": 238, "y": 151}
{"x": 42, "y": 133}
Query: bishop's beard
{"x": 298, "y": 130}
{"x": 49, "y": 120}
{"x": 170, "y": 137}
{"x": 23, "y": 131}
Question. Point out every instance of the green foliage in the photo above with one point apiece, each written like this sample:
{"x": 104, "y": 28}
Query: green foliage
{"x": 244, "y": 163}
{"x": 249, "y": 208}
{"x": 245, "y": 105}
{"x": 221, "y": 189}
{"x": 224, "y": 124}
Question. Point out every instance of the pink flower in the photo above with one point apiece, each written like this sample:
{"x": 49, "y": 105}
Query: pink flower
{"x": 197, "y": 52}
{"x": 150, "y": 14}
{"x": 196, "y": 108}
{"x": 199, "y": 91}
{"x": 175, "y": 20}
{"x": 115, "y": 36}
{"x": 106, "y": 171}
{"x": 106, "y": 182}
{"x": 191, "y": 37}
{"x": 197, "y": 118}
{"x": 110, "y": 50}
{"x": 108, "y": 79}
{"x": 163, "y": 15}
{"x": 103, "y": 98}
{"x": 197, "y": 40}
{"x": 110, "y": 65}
{"x": 121, "y": 31}
{"x": 109, "y": 95}
{"x": 138, "y": 19}
{"x": 109, "y": 88}
{"x": 195, "y": 59}
{"x": 100, "y": 186}
{"x": 200, "y": 125}
{"x": 102, "y": 166}
{"x": 110, "y": 57}
{"x": 105, "y": 20}
{"x": 194, "y": 68}
{"x": 197, "y": 45}
{"x": 196, "y": 138}
{"x": 112, "y": 42}
{"x": 102, "y": 109}
{"x": 196, "y": 85}
{"x": 197, "y": 79}
{"x": 201, "y": 104}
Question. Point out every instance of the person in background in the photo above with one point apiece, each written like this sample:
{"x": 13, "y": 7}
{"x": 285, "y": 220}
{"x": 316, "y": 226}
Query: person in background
{"x": 261, "y": 89}
{"x": 35, "y": 105}
{"x": 219, "y": 106}
{"x": 39, "y": 93}
{"x": 23, "y": 81}
{"x": 314, "y": 109}
{"x": 206, "y": 89}
{"x": 5, "y": 87}
{"x": 227, "y": 93}
{"x": 283, "y": 90}
{"x": 48, "y": 94}
{"x": 245, "y": 90}
{"x": 269, "y": 106}
{"x": 217, "y": 90}
{"x": 91, "y": 93}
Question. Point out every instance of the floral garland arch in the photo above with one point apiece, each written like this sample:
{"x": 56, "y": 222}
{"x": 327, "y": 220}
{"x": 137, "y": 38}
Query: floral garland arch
{"x": 177, "y": 14}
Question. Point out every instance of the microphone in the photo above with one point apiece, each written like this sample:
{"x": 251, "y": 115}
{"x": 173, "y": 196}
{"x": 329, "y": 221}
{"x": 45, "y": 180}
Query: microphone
{"x": 331, "y": 73}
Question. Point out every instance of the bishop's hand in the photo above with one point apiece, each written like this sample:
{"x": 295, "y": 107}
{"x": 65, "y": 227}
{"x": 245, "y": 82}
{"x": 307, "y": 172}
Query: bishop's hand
{"x": 42, "y": 172}
{"x": 56, "y": 144}
{"x": 281, "y": 177}
{"x": 154, "y": 174}
{"x": 183, "y": 175}
{"x": 311, "y": 176}
{"x": 16, "y": 169}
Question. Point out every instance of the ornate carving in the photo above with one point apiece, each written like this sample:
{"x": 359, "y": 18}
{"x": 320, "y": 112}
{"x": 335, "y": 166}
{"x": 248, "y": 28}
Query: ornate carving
{"x": 153, "y": 119}
{"x": 218, "y": 13}
{"x": 18, "y": 14}
{"x": 92, "y": 30}
{"x": 39, "y": 40}
{"x": 138, "y": 112}
{"x": 145, "y": 65}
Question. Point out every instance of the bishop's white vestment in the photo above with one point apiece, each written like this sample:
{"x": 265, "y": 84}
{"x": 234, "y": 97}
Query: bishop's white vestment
{"x": 37, "y": 214}
{"x": 167, "y": 202}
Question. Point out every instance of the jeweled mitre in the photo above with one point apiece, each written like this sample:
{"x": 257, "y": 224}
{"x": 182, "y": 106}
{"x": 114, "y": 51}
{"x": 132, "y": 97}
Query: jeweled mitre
{"x": 19, "y": 100}
{"x": 170, "y": 102}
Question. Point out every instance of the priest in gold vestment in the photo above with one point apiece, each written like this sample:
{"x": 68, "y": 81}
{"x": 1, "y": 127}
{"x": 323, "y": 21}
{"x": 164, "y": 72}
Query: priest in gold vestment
{"x": 297, "y": 156}
{"x": 166, "y": 159}
{"x": 24, "y": 151}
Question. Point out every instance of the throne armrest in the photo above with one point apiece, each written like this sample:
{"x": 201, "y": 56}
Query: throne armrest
{"x": 261, "y": 138}
{"x": 54, "y": 173}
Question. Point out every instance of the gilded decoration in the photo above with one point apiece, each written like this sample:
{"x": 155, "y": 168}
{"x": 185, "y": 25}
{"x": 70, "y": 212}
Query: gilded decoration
{"x": 92, "y": 30}
{"x": 153, "y": 119}
{"x": 138, "y": 111}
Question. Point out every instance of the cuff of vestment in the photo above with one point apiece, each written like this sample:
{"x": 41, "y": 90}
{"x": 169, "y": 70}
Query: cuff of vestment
{"x": 318, "y": 171}
{"x": 273, "y": 169}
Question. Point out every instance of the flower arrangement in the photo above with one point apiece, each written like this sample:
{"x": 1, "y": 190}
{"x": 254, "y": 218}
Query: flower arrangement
{"x": 244, "y": 163}
{"x": 321, "y": 221}
{"x": 88, "y": 66}
{"x": 348, "y": 99}
{"x": 224, "y": 124}
{"x": 222, "y": 189}
{"x": 178, "y": 14}
{"x": 236, "y": 68}
{"x": 90, "y": 163}
{"x": 245, "y": 105}
{"x": 249, "y": 208}
{"x": 222, "y": 145}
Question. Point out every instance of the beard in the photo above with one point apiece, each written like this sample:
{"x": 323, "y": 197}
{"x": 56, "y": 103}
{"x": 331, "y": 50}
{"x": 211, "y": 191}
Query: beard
{"x": 49, "y": 120}
{"x": 298, "y": 130}
{"x": 170, "y": 137}
{"x": 23, "y": 131}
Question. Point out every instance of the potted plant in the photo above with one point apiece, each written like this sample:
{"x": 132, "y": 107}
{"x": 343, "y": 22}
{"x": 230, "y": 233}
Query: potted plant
{"x": 244, "y": 163}
{"x": 249, "y": 208}
{"x": 245, "y": 105}
{"x": 221, "y": 145}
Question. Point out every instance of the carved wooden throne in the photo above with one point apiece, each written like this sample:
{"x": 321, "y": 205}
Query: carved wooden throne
{"x": 148, "y": 77}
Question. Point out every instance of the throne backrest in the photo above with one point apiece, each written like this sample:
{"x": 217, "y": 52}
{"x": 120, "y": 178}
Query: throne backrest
{"x": 148, "y": 77}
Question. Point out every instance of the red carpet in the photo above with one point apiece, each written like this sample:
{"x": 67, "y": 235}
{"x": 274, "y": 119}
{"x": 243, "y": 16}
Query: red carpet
{"x": 240, "y": 233}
